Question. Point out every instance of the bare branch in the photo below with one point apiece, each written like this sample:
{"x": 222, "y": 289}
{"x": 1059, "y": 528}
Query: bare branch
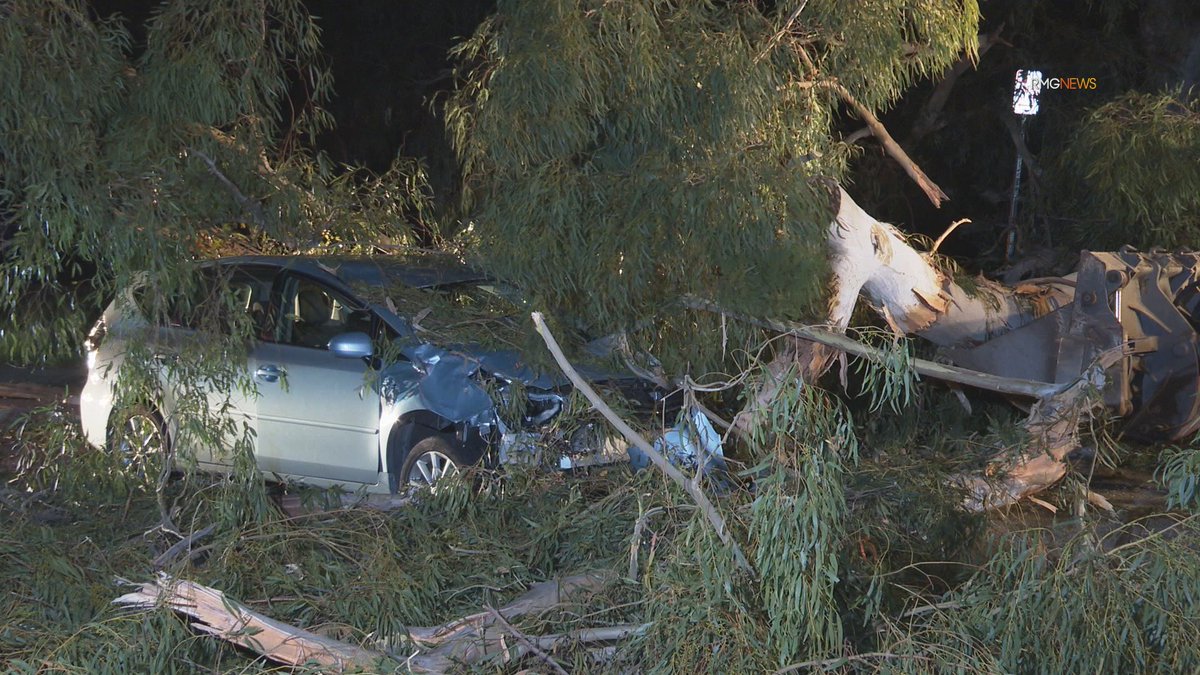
{"x": 251, "y": 206}
{"x": 891, "y": 147}
{"x": 953, "y": 226}
{"x": 168, "y": 556}
{"x": 787, "y": 25}
{"x": 826, "y": 664}
{"x": 219, "y": 615}
{"x": 710, "y": 511}
{"x": 524, "y": 639}
{"x": 1053, "y": 429}
{"x": 857, "y": 136}
{"x": 938, "y": 371}
{"x": 1014, "y": 132}
{"x": 441, "y": 649}
{"x": 927, "y": 119}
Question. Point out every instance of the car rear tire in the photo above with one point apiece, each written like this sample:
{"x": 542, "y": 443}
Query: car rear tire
{"x": 139, "y": 438}
{"x": 431, "y": 460}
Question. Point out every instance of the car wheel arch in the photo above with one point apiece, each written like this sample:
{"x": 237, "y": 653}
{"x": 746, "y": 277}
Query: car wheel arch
{"x": 408, "y": 431}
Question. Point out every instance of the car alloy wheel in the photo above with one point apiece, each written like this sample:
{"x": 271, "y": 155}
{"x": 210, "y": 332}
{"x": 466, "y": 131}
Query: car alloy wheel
{"x": 431, "y": 460}
{"x": 140, "y": 442}
{"x": 430, "y": 467}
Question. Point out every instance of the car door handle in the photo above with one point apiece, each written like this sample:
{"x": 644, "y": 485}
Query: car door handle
{"x": 268, "y": 373}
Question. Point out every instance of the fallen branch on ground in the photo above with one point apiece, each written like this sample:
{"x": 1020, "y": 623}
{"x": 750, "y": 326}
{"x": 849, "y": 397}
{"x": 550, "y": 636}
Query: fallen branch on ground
{"x": 1053, "y": 431}
{"x": 225, "y": 618}
{"x": 526, "y": 641}
{"x": 1052, "y": 426}
{"x": 923, "y": 367}
{"x": 168, "y": 556}
{"x": 468, "y": 640}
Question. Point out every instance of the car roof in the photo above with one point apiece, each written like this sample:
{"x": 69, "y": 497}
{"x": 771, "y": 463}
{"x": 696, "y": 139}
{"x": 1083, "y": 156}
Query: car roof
{"x": 412, "y": 270}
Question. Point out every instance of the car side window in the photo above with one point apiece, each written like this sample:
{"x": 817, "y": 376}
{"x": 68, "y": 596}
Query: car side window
{"x": 251, "y": 291}
{"x": 313, "y": 314}
{"x": 222, "y": 297}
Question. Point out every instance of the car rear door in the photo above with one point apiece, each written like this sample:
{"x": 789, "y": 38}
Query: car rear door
{"x": 317, "y": 413}
{"x": 224, "y": 288}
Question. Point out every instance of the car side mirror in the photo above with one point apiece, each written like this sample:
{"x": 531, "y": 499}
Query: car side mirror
{"x": 354, "y": 345}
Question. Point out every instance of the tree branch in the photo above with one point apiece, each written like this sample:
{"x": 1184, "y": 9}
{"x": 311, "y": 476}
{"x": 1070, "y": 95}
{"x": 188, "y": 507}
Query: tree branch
{"x": 219, "y": 615}
{"x": 533, "y": 649}
{"x": 710, "y": 511}
{"x": 441, "y": 649}
{"x": 787, "y": 25}
{"x": 185, "y": 544}
{"x": 890, "y": 146}
{"x": 857, "y": 136}
{"x": 826, "y": 664}
{"x": 248, "y": 205}
{"x": 938, "y": 371}
{"x": 1014, "y": 131}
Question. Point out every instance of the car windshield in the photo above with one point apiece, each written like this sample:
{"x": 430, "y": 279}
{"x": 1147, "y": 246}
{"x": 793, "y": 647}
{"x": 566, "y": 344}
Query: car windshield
{"x": 476, "y": 311}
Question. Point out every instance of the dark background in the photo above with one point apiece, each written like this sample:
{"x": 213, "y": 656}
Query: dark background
{"x": 390, "y": 65}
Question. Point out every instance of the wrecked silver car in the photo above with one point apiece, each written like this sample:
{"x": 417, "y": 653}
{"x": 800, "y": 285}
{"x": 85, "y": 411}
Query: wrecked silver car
{"x": 353, "y": 390}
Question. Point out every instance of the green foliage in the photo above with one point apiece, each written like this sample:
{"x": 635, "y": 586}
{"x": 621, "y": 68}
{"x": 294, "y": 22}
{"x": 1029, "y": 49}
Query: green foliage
{"x": 891, "y": 382}
{"x": 1134, "y": 173}
{"x": 797, "y": 523}
{"x": 1123, "y": 602}
{"x": 852, "y": 558}
{"x": 53, "y": 456}
{"x": 617, "y": 156}
{"x": 367, "y": 572}
{"x": 797, "y": 526}
{"x": 1179, "y": 473}
{"x": 704, "y": 619}
{"x": 119, "y": 164}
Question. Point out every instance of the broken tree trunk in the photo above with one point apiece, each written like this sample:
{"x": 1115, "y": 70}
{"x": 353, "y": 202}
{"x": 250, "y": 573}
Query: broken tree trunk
{"x": 466, "y": 641}
{"x": 217, "y": 615}
{"x": 873, "y": 260}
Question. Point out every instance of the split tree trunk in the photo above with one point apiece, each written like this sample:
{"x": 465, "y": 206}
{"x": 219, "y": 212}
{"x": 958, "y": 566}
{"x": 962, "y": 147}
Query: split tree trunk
{"x": 873, "y": 260}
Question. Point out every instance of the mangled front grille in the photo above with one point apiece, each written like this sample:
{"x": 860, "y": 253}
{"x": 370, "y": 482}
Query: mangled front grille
{"x": 523, "y": 408}
{"x": 541, "y": 408}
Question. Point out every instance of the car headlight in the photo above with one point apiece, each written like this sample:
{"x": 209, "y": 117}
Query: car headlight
{"x": 91, "y": 344}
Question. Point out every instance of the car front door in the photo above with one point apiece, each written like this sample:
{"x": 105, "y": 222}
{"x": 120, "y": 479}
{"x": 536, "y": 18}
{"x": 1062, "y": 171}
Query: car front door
{"x": 317, "y": 413}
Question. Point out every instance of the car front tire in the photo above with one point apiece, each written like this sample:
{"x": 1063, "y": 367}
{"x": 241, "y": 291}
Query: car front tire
{"x": 430, "y": 461}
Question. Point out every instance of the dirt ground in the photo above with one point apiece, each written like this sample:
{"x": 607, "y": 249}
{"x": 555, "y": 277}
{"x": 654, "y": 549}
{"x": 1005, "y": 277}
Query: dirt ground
{"x": 23, "y": 389}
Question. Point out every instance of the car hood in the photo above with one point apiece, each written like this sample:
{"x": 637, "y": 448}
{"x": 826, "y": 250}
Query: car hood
{"x": 446, "y": 379}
